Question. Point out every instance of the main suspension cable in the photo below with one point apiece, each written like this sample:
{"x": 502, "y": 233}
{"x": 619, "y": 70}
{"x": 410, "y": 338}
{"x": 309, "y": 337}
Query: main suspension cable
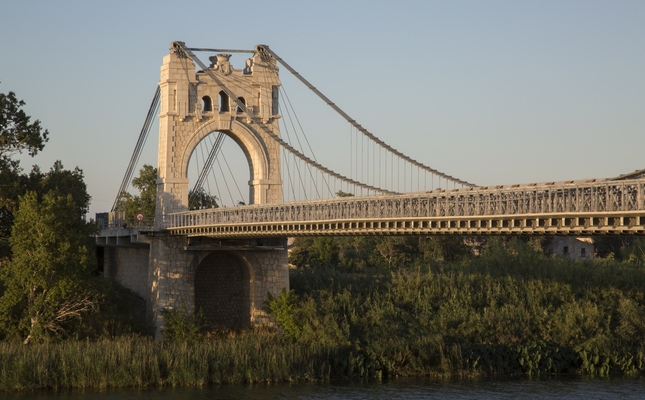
{"x": 356, "y": 124}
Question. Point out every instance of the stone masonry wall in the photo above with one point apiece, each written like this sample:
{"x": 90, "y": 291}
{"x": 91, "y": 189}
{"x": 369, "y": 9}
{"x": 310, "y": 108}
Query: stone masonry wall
{"x": 171, "y": 275}
{"x": 129, "y": 267}
{"x": 271, "y": 275}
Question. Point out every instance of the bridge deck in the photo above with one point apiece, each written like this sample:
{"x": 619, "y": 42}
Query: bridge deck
{"x": 568, "y": 208}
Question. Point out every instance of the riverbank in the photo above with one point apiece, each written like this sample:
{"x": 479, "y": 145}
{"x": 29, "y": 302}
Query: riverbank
{"x": 510, "y": 312}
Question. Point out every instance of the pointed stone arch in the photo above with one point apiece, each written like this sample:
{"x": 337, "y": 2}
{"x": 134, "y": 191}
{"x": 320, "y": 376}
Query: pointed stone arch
{"x": 256, "y": 152}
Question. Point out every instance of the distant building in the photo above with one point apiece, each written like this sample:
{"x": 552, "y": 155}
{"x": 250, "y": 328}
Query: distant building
{"x": 575, "y": 248}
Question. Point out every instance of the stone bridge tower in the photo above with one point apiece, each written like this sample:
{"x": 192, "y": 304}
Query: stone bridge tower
{"x": 227, "y": 280}
{"x": 194, "y": 104}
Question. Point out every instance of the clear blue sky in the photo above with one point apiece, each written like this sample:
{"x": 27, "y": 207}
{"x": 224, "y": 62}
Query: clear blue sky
{"x": 487, "y": 91}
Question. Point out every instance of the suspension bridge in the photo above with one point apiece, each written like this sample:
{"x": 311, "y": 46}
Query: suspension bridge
{"x": 201, "y": 106}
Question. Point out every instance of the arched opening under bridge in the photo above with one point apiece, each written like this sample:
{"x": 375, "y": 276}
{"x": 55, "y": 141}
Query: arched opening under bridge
{"x": 222, "y": 290}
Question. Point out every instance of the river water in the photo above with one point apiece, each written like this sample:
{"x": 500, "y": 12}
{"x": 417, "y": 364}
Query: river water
{"x": 556, "y": 388}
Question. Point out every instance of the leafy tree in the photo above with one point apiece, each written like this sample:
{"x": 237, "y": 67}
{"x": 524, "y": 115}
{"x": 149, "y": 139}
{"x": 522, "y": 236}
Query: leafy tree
{"x": 634, "y": 252}
{"x": 14, "y": 183}
{"x": 17, "y": 134}
{"x": 282, "y": 308}
{"x": 393, "y": 250}
{"x": 325, "y": 251}
{"x": 47, "y": 262}
{"x": 358, "y": 253}
{"x": 300, "y": 255}
{"x": 320, "y": 251}
{"x": 611, "y": 246}
{"x": 445, "y": 248}
{"x": 62, "y": 181}
{"x": 198, "y": 199}
{"x": 11, "y": 186}
{"x": 340, "y": 193}
{"x": 182, "y": 324}
{"x": 47, "y": 282}
{"x": 146, "y": 202}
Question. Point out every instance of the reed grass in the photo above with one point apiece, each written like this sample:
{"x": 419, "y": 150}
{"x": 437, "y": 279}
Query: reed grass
{"x": 249, "y": 357}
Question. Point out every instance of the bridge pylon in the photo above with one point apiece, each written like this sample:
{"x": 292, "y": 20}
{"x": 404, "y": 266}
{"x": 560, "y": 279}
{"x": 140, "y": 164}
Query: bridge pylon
{"x": 197, "y": 103}
{"x": 227, "y": 280}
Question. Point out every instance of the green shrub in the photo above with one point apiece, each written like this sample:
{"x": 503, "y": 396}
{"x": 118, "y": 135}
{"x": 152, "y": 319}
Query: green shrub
{"x": 182, "y": 325}
{"x": 282, "y": 308}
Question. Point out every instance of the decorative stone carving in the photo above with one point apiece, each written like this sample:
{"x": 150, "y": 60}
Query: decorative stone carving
{"x": 223, "y": 64}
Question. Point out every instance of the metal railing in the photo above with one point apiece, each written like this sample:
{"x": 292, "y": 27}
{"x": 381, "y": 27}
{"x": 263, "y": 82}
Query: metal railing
{"x": 567, "y": 198}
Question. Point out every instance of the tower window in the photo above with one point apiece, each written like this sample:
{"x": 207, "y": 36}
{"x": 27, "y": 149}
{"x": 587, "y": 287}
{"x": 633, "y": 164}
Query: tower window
{"x": 223, "y": 102}
{"x": 274, "y": 97}
{"x": 207, "y": 104}
{"x": 241, "y": 100}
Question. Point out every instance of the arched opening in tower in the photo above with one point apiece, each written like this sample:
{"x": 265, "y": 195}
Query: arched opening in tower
{"x": 219, "y": 179}
{"x": 207, "y": 104}
{"x": 223, "y": 102}
{"x": 241, "y": 100}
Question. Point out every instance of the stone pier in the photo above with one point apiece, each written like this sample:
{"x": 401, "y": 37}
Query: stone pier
{"x": 229, "y": 284}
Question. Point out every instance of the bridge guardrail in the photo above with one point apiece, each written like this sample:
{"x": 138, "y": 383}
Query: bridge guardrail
{"x": 587, "y": 197}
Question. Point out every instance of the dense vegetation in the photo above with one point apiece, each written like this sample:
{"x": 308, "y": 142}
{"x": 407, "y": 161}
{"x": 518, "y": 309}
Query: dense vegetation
{"x": 510, "y": 311}
{"x": 49, "y": 284}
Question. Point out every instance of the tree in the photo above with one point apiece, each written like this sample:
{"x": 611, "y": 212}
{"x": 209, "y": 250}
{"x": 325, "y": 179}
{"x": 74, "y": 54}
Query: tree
{"x": 320, "y": 251}
{"x": 47, "y": 282}
{"x": 634, "y": 252}
{"x": 17, "y": 134}
{"x": 340, "y": 193}
{"x": 448, "y": 248}
{"x": 357, "y": 253}
{"x": 146, "y": 202}
{"x": 325, "y": 251}
{"x": 63, "y": 181}
{"x": 14, "y": 183}
{"x": 198, "y": 199}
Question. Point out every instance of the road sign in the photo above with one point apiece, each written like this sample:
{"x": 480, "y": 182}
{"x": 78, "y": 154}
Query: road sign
{"x": 140, "y": 217}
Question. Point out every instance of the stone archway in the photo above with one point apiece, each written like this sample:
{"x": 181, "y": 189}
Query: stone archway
{"x": 263, "y": 184}
{"x": 222, "y": 290}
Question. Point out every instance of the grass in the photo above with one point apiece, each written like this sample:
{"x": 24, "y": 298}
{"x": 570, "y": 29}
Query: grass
{"x": 249, "y": 357}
